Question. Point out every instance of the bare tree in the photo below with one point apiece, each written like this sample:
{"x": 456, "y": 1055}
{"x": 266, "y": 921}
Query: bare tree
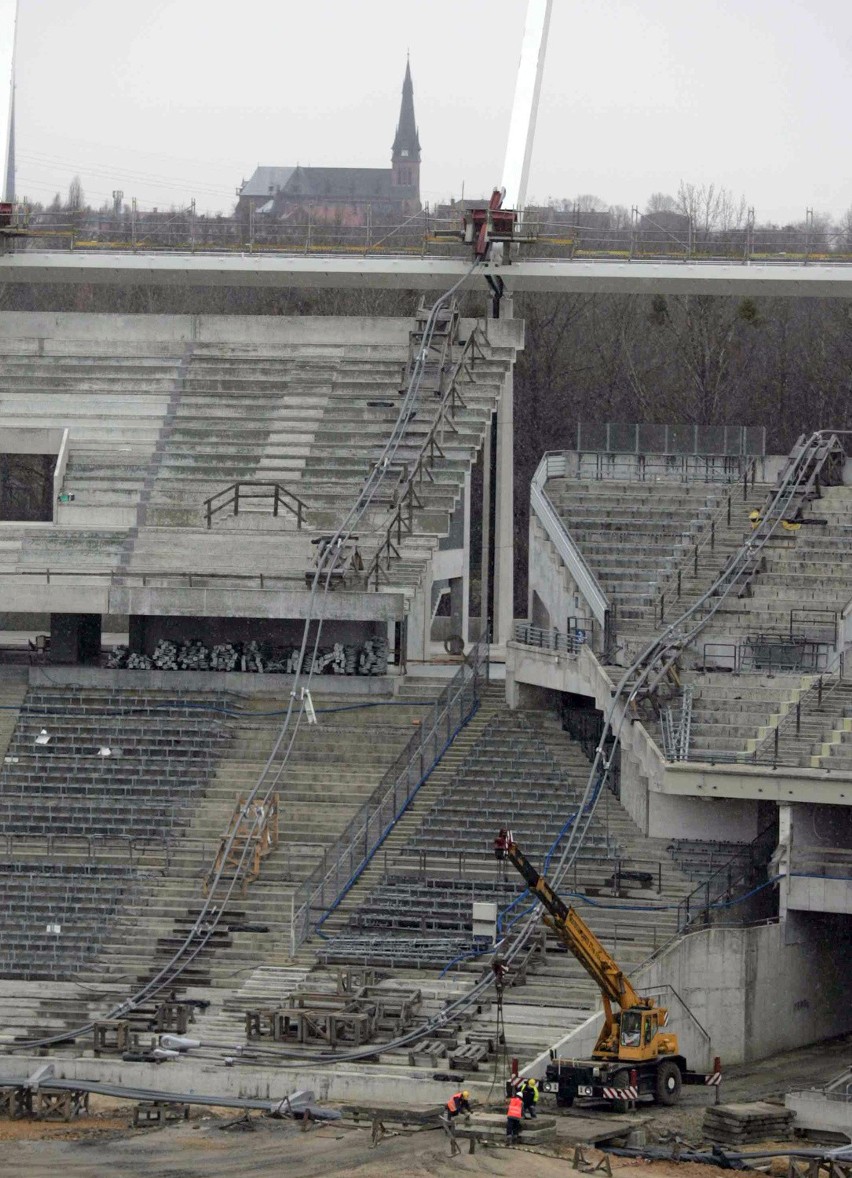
{"x": 711, "y": 209}
{"x": 844, "y": 240}
{"x": 661, "y": 202}
{"x": 76, "y": 196}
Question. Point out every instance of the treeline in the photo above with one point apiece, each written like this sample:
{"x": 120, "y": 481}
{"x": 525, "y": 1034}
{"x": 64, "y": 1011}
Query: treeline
{"x": 700, "y": 219}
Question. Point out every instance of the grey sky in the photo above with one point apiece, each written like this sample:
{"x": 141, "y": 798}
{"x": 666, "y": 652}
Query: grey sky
{"x": 181, "y": 98}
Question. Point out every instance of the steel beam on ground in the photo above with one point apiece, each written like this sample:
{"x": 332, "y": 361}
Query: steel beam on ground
{"x": 775, "y": 279}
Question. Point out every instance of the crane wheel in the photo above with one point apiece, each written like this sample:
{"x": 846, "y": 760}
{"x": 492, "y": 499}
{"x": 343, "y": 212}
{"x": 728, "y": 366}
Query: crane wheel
{"x": 621, "y": 1079}
{"x": 668, "y": 1083}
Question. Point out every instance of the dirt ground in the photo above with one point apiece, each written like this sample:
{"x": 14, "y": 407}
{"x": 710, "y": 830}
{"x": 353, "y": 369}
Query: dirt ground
{"x": 200, "y": 1149}
{"x": 104, "y": 1144}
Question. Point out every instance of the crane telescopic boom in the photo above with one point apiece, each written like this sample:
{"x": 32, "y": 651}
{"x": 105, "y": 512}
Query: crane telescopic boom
{"x": 615, "y": 987}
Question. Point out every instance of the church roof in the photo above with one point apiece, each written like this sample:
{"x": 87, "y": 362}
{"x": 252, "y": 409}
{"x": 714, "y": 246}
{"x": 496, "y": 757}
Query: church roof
{"x": 339, "y": 183}
{"x": 266, "y": 181}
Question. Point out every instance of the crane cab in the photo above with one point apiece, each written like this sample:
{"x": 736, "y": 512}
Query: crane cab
{"x": 641, "y": 1035}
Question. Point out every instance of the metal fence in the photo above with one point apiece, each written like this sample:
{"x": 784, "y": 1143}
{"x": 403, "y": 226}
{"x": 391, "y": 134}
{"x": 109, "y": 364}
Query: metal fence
{"x": 647, "y": 438}
{"x": 565, "y": 235}
{"x": 555, "y": 640}
{"x": 344, "y": 861}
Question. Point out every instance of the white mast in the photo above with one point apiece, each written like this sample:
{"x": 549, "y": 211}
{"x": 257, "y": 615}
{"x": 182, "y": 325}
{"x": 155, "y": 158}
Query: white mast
{"x": 519, "y": 144}
{"x": 8, "y": 38}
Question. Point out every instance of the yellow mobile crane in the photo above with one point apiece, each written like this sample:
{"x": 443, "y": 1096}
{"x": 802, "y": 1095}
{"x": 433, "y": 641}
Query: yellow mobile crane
{"x": 634, "y": 1056}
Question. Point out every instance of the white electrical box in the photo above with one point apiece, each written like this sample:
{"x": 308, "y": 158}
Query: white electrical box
{"x": 485, "y": 920}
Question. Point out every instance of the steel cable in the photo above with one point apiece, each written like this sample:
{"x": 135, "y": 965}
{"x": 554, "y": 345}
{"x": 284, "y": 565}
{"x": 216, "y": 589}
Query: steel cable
{"x": 328, "y": 560}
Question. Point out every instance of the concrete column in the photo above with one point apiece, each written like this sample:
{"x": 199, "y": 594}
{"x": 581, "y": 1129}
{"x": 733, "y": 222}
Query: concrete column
{"x": 504, "y": 544}
{"x": 419, "y": 615}
{"x": 485, "y": 564}
{"x": 465, "y": 604}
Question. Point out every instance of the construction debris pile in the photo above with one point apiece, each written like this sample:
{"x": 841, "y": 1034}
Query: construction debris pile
{"x": 262, "y": 658}
{"x": 744, "y": 1124}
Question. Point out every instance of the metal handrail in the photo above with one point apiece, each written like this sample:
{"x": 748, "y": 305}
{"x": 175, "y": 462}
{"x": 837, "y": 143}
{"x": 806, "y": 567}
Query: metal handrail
{"x": 401, "y": 522}
{"x": 552, "y": 465}
{"x": 706, "y": 538}
{"x": 549, "y": 639}
{"x": 813, "y": 697}
{"x": 235, "y": 494}
{"x": 344, "y": 861}
{"x": 725, "y": 879}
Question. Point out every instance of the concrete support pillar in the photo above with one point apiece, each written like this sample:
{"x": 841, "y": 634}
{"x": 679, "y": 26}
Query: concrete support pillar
{"x": 485, "y": 567}
{"x": 457, "y": 605}
{"x": 419, "y": 619}
{"x": 504, "y": 515}
{"x": 465, "y": 587}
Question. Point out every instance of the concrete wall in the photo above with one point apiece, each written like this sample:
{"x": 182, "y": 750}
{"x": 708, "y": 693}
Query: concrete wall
{"x": 45, "y": 329}
{"x": 726, "y": 819}
{"x": 761, "y": 990}
{"x": 552, "y": 589}
{"x": 398, "y": 1086}
{"x": 251, "y": 603}
{"x": 755, "y": 991}
{"x": 251, "y": 683}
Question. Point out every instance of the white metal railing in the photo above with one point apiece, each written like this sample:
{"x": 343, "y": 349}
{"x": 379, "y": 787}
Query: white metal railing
{"x": 553, "y": 465}
{"x": 844, "y": 629}
{"x": 59, "y": 473}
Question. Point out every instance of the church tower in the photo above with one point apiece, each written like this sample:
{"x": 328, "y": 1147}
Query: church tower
{"x": 405, "y": 158}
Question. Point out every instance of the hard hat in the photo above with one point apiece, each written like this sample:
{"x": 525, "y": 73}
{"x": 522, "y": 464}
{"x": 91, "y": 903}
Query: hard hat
{"x": 465, "y": 1095}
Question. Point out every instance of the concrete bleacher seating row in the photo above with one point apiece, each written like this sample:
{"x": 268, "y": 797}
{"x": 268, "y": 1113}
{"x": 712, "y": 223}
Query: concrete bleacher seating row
{"x": 505, "y": 781}
{"x": 153, "y": 435}
{"x": 56, "y": 915}
{"x": 161, "y": 754}
{"x": 634, "y": 535}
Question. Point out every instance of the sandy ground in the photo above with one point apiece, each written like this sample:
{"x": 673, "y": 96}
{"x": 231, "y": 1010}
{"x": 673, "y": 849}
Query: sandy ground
{"x": 201, "y": 1149}
{"x": 104, "y": 1144}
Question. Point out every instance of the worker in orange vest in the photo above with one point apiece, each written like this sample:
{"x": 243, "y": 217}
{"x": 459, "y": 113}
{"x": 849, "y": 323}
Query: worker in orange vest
{"x": 459, "y": 1102}
{"x": 513, "y": 1118}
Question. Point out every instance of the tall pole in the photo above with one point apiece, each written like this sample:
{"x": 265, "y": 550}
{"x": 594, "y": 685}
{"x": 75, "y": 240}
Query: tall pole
{"x": 8, "y": 38}
{"x": 516, "y": 170}
{"x": 519, "y": 143}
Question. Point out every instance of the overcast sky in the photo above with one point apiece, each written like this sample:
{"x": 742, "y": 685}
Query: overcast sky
{"x": 172, "y": 99}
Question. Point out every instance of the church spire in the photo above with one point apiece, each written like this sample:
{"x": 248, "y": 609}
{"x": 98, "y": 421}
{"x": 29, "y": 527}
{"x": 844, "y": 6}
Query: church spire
{"x": 406, "y": 144}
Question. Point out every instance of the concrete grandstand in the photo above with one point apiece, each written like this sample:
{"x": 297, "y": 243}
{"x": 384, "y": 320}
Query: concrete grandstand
{"x": 200, "y": 466}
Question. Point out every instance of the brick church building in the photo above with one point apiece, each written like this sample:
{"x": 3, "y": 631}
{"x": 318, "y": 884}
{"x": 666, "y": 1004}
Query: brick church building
{"x": 344, "y": 196}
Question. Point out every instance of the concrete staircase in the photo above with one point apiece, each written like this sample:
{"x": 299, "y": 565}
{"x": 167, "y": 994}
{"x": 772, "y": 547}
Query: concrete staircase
{"x": 820, "y": 738}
